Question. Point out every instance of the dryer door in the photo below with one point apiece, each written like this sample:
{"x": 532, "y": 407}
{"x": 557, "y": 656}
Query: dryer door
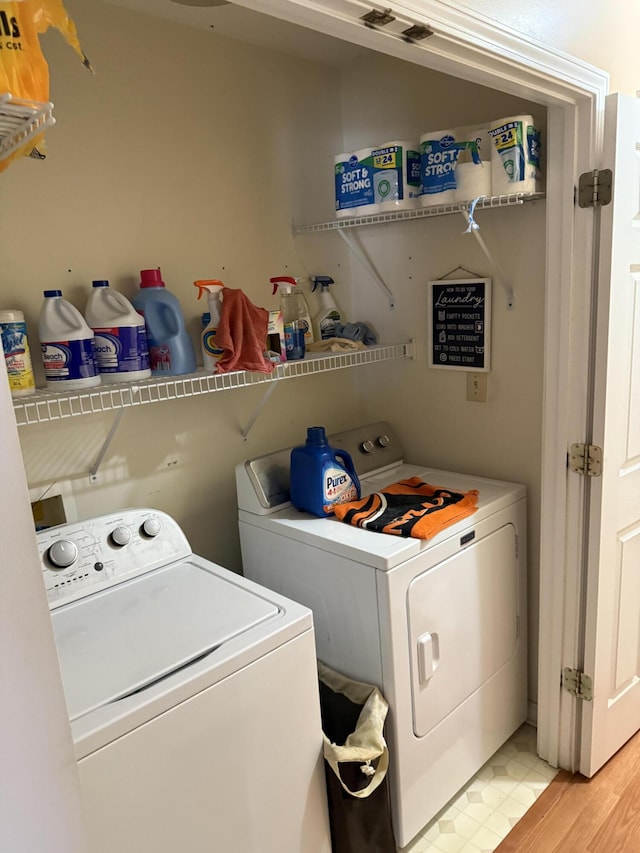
{"x": 464, "y": 625}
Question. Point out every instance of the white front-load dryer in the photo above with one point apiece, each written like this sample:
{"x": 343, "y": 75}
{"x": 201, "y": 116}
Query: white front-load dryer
{"x": 439, "y": 625}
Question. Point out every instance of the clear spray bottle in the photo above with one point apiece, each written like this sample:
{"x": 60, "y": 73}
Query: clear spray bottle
{"x": 329, "y": 316}
{"x": 295, "y": 316}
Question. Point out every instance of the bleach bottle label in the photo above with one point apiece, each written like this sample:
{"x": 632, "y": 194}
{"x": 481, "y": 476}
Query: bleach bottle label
{"x": 121, "y": 349}
{"x": 64, "y": 360}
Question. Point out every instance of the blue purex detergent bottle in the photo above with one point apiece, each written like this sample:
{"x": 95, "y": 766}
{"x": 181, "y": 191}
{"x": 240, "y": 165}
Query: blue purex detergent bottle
{"x": 321, "y": 476}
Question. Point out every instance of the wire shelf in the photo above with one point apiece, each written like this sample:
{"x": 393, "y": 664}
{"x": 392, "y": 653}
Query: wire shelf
{"x": 45, "y": 406}
{"x": 487, "y": 202}
{"x": 20, "y": 121}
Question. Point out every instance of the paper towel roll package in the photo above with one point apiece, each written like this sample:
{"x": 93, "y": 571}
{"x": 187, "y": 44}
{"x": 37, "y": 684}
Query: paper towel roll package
{"x": 451, "y": 169}
{"x": 473, "y": 180}
{"x": 515, "y": 155}
{"x": 473, "y": 170}
{"x": 480, "y": 135}
{"x": 354, "y": 193}
{"x": 396, "y": 179}
{"x": 438, "y": 159}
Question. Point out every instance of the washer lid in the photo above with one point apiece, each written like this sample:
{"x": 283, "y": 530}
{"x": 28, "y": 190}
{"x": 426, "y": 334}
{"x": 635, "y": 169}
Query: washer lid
{"x": 127, "y": 637}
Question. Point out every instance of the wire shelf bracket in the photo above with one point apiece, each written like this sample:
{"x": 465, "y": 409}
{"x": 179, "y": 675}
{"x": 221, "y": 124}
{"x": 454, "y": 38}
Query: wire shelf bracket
{"x": 245, "y": 432}
{"x": 366, "y": 262}
{"x": 474, "y": 228}
{"x": 93, "y": 472}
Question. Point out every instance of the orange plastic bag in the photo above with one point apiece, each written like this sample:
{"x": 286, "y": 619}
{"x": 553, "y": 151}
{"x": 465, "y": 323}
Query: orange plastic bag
{"x": 24, "y": 73}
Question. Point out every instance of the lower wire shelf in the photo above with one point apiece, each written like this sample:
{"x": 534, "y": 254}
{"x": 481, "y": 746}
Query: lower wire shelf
{"x": 45, "y": 406}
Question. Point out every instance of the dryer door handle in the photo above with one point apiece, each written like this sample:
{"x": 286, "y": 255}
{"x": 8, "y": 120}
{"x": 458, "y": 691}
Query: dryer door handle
{"x": 428, "y": 656}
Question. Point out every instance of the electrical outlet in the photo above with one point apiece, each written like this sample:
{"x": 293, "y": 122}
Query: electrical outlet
{"x": 477, "y": 387}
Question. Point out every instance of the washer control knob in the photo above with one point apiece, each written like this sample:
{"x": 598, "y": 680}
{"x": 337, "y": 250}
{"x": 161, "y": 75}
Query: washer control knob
{"x": 383, "y": 440}
{"x": 366, "y": 446}
{"x": 151, "y": 527}
{"x": 62, "y": 554}
{"x": 121, "y": 536}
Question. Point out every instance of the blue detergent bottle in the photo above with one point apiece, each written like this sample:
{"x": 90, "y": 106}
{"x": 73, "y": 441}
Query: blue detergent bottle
{"x": 321, "y": 476}
{"x": 171, "y": 350}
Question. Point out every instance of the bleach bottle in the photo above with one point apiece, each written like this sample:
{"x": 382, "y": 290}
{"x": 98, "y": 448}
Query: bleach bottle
{"x": 120, "y": 336}
{"x": 329, "y": 316}
{"x": 67, "y": 345}
{"x": 210, "y": 352}
{"x": 171, "y": 351}
{"x": 321, "y": 477}
{"x": 295, "y": 316}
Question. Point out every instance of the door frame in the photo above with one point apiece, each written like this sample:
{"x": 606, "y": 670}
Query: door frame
{"x": 469, "y": 46}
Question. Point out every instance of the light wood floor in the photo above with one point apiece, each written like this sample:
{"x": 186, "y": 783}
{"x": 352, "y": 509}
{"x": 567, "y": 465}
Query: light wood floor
{"x": 579, "y": 815}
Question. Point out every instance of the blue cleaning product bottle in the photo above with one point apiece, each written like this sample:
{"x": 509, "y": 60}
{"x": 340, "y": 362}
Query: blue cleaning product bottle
{"x": 171, "y": 351}
{"x": 321, "y": 476}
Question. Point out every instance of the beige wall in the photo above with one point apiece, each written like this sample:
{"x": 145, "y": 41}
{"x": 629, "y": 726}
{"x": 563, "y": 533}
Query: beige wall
{"x": 181, "y": 152}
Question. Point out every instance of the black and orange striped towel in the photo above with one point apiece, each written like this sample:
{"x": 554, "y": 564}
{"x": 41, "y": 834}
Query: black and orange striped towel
{"x": 409, "y": 508}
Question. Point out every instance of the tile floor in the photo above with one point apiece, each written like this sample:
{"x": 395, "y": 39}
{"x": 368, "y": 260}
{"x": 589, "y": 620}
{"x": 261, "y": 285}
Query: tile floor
{"x": 484, "y": 812}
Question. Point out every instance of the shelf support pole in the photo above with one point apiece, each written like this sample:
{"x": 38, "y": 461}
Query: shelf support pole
{"x": 93, "y": 473}
{"x": 370, "y": 268}
{"x": 270, "y": 389}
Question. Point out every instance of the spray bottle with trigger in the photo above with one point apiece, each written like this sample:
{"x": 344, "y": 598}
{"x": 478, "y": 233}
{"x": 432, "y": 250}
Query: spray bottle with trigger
{"x": 329, "y": 316}
{"x": 210, "y": 352}
{"x": 295, "y": 316}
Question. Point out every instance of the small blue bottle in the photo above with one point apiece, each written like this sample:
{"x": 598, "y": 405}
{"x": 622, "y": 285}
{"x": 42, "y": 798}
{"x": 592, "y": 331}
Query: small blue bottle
{"x": 321, "y": 476}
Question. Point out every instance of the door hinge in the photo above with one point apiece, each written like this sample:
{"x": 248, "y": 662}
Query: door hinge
{"x": 378, "y": 19}
{"x": 576, "y": 682}
{"x": 586, "y": 459}
{"x": 594, "y": 188}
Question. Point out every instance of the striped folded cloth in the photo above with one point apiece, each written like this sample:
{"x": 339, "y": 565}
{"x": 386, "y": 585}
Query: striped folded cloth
{"x": 409, "y": 508}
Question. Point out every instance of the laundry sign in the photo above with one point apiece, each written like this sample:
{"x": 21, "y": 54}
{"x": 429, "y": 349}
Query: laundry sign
{"x": 460, "y": 324}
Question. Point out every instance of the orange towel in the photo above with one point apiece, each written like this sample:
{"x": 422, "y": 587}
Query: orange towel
{"x": 242, "y": 334}
{"x": 409, "y": 508}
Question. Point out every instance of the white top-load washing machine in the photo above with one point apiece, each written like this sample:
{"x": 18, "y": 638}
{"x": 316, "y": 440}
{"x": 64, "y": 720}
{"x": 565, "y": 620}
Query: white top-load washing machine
{"x": 192, "y": 694}
{"x": 438, "y": 625}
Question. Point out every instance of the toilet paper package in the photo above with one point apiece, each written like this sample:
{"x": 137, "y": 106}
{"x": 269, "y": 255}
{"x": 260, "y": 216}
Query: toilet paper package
{"x": 441, "y": 154}
{"x": 396, "y": 178}
{"x": 515, "y": 155}
{"x": 354, "y": 193}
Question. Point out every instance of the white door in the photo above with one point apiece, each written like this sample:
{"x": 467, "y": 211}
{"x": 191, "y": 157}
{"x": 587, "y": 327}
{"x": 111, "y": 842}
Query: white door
{"x": 612, "y": 620}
